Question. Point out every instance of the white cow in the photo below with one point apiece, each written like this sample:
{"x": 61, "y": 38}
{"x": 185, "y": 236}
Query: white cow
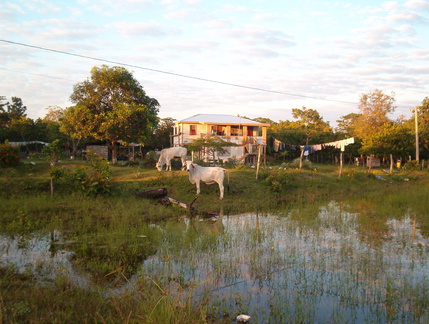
{"x": 170, "y": 153}
{"x": 209, "y": 175}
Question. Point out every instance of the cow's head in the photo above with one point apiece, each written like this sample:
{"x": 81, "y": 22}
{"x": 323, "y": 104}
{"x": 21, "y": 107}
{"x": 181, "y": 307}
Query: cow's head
{"x": 190, "y": 166}
{"x": 159, "y": 165}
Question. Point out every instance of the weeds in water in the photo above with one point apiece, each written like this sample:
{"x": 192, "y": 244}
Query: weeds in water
{"x": 330, "y": 250}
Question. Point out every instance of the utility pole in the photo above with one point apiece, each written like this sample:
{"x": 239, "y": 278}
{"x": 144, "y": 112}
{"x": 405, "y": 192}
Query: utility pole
{"x": 417, "y": 133}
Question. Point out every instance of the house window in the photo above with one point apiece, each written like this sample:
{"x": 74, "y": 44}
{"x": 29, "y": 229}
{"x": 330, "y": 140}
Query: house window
{"x": 249, "y": 130}
{"x": 193, "y": 129}
{"x": 218, "y": 130}
{"x": 236, "y": 131}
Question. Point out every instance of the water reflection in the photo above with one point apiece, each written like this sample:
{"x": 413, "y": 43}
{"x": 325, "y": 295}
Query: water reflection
{"x": 40, "y": 255}
{"x": 277, "y": 268}
{"x": 322, "y": 270}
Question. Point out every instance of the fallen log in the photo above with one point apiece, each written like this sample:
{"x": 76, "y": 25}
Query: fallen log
{"x": 154, "y": 193}
{"x": 169, "y": 201}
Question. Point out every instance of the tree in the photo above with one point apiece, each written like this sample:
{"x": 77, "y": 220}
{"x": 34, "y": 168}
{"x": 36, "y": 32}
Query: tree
{"x": 210, "y": 145}
{"x": 374, "y": 108}
{"x": 423, "y": 126}
{"x": 115, "y": 107}
{"x": 3, "y": 112}
{"x": 162, "y": 134}
{"x": 394, "y": 138}
{"x": 347, "y": 124}
{"x": 74, "y": 124}
{"x": 263, "y": 120}
{"x": 16, "y": 109}
{"x": 311, "y": 123}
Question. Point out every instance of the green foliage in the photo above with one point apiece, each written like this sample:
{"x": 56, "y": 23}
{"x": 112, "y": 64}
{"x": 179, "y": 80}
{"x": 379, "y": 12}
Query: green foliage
{"x": 213, "y": 144}
{"x": 412, "y": 166}
{"x": 112, "y": 106}
{"x": 394, "y": 139}
{"x": 149, "y": 160}
{"x": 9, "y": 156}
{"x": 278, "y": 180}
{"x": 52, "y": 151}
{"x": 306, "y": 164}
{"x": 92, "y": 181}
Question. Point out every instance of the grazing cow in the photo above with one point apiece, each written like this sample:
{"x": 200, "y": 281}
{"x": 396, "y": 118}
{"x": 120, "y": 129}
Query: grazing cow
{"x": 209, "y": 175}
{"x": 170, "y": 153}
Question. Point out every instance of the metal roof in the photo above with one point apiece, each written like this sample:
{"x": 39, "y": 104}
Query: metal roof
{"x": 220, "y": 119}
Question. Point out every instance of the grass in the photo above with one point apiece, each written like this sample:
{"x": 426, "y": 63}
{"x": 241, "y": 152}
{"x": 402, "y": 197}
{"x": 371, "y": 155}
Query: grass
{"x": 116, "y": 233}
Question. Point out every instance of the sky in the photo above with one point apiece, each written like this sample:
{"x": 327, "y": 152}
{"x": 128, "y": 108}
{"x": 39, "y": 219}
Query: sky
{"x": 251, "y": 58}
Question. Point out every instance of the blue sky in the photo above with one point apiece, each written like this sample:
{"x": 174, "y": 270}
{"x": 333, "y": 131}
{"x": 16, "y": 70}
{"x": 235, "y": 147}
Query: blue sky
{"x": 280, "y": 54}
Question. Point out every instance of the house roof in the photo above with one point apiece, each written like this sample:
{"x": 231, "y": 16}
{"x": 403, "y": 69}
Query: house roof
{"x": 220, "y": 119}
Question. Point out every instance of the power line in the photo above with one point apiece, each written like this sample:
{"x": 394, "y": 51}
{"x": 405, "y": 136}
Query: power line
{"x": 170, "y": 73}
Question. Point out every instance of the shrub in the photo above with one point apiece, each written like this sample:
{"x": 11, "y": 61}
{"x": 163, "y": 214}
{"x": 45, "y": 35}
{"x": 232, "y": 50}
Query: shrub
{"x": 306, "y": 164}
{"x": 92, "y": 181}
{"x": 149, "y": 160}
{"x": 412, "y": 166}
{"x": 9, "y": 156}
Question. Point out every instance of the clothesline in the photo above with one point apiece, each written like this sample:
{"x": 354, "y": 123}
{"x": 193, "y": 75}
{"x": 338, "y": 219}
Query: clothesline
{"x": 27, "y": 143}
{"x": 341, "y": 144}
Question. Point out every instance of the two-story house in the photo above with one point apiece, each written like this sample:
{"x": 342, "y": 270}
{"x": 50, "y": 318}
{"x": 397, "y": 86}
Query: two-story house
{"x": 249, "y": 135}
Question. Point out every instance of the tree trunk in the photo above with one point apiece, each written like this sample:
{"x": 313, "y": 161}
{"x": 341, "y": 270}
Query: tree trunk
{"x": 112, "y": 146}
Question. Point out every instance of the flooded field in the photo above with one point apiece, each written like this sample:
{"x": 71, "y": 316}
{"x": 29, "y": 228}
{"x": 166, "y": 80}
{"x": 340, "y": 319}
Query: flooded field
{"x": 313, "y": 265}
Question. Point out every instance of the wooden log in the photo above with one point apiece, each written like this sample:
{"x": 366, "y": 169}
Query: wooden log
{"x": 154, "y": 193}
{"x": 171, "y": 201}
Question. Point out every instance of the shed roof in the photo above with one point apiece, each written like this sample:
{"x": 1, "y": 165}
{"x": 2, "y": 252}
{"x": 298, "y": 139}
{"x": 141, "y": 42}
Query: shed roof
{"x": 221, "y": 119}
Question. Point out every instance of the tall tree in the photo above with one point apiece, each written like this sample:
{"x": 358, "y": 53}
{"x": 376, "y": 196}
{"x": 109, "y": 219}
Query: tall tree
{"x": 162, "y": 134}
{"x": 76, "y": 125}
{"x": 16, "y": 109}
{"x": 347, "y": 124}
{"x": 311, "y": 123}
{"x": 395, "y": 139}
{"x": 115, "y": 106}
{"x": 423, "y": 127}
{"x": 374, "y": 107}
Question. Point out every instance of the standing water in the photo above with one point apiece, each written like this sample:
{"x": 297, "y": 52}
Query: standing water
{"x": 289, "y": 267}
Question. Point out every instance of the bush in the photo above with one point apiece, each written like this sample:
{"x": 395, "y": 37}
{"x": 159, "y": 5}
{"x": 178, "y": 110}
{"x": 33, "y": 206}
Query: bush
{"x": 306, "y": 164}
{"x": 9, "y": 156}
{"x": 149, "y": 160}
{"x": 412, "y": 166}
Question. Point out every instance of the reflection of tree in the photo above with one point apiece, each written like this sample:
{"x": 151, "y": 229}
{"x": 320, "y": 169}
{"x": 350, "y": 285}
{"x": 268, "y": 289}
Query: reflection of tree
{"x": 112, "y": 259}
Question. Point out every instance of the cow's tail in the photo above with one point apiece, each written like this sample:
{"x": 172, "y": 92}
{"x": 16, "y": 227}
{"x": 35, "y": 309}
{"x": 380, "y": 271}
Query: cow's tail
{"x": 227, "y": 186}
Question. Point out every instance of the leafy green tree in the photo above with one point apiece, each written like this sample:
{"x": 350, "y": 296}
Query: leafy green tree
{"x": 21, "y": 129}
{"x": 115, "y": 107}
{"x": 162, "y": 134}
{"x": 347, "y": 124}
{"x": 311, "y": 123}
{"x": 74, "y": 124}
{"x": 423, "y": 126}
{"x": 210, "y": 145}
{"x": 16, "y": 109}
{"x": 394, "y": 138}
{"x": 3, "y": 112}
{"x": 9, "y": 156}
{"x": 53, "y": 151}
{"x": 263, "y": 120}
{"x": 374, "y": 107}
